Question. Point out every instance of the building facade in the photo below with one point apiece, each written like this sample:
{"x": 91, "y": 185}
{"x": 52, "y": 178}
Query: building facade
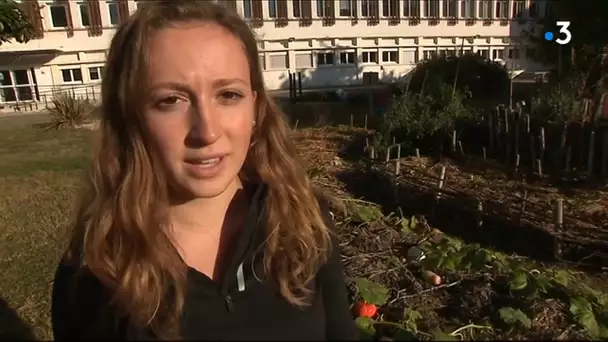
{"x": 327, "y": 43}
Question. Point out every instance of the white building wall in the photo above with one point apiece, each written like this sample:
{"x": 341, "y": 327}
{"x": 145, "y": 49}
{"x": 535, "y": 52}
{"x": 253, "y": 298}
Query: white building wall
{"x": 284, "y": 50}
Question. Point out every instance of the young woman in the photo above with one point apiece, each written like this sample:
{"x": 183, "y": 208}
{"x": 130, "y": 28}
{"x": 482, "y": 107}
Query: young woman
{"x": 198, "y": 222}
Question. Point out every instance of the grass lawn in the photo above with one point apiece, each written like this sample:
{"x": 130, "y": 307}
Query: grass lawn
{"x": 40, "y": 174}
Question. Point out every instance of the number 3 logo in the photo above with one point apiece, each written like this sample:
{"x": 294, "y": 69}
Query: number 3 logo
{"x": 563, "y": 29}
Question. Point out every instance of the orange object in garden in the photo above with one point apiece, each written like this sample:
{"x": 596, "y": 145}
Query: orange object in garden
{"x": 365, "y": 309}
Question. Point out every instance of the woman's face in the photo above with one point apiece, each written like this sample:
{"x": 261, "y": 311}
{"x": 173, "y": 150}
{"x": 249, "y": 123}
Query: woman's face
{"x": 199, "y": 108}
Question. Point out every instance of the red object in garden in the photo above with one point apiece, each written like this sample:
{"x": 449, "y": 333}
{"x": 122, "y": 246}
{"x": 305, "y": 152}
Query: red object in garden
{"x": 365, "y": 309}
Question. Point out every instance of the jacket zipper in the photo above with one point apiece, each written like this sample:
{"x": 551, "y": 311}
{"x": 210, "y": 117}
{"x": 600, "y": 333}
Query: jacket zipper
{"x": 229, "y": 303}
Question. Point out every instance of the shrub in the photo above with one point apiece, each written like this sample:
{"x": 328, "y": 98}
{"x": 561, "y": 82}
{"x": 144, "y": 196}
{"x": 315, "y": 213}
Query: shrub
{"x": 68, "y": 111}
{"x": 485, "y": 79}
{"x": 559, "y": 103}
{"x": 424, "y": 117}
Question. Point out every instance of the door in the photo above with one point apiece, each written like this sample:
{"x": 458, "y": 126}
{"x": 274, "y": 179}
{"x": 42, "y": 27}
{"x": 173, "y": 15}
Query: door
{"x": 16, "y": 86}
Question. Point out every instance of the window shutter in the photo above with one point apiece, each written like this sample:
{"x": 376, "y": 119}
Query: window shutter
{"x": 31, "y": 9}
{"x": 329, "y": 18}
{"x": 68, "y": 14}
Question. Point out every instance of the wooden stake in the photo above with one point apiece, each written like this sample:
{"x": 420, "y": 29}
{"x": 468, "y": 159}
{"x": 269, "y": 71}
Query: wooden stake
{"x": 399, "y": 151}
{"x": 539, "y": 166}
{"x": 372, "y": 153}
{"x": 454, "y": 141}
{"x": 440, "y": 183}
{"x": 365, "y": 122}
{"x": 295, "y": 127}
{"x": 485, "y": 156}
{"x": 516, "y": 168}
{"x": 417, "y": 152}
{"x": 542, "y": 143}
{"x": 397, "y": 167}
{"x": 460, "y": 147}
{"x": 559, "y": 227}
{"x": 388, "y": 153}
{"x": 479, "y": 214}
{"x": 352, "y": 121}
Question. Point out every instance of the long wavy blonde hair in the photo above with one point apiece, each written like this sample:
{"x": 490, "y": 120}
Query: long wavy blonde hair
{"x": 120, "y": 231}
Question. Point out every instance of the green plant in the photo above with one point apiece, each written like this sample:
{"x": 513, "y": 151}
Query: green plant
{"x": 559, "y": 103}
{"x": 427, "y": 116}
{"x": 68, "y": 111}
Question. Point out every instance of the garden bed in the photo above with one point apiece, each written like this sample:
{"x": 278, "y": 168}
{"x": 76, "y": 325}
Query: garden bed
{"x": 484, "y": 293}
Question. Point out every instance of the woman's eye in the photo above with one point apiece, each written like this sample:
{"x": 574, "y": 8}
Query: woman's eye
{"x": 171, "y": 100}
{"x": 230, "y": 96}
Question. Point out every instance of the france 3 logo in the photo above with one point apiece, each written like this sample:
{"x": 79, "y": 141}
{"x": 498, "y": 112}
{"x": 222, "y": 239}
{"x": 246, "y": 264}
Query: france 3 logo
{"x": 564, "y": 35}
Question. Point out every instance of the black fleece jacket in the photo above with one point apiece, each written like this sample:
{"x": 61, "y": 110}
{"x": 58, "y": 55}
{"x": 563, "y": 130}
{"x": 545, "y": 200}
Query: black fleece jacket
{"x": 241, "y": 307}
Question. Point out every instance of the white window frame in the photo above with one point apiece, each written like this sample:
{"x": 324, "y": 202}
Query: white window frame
{"x": 71, "y": 70}
{"x": 486, "y": 9}
{"x": 502, "y": 9}
{"x": 388, "y": 52}
{"x": 429, "y": 6}
{"x": 318, "y": 54}
{"x": 389, "y": 10}
{"x": 450, "y": 6}
{"x": 468, "y": 9}
{"x": 350, "y": 9}
{"x": 481, "y": 50}
{"x": 272, "y": 4}
{"x": 108, "y": 4}
{"x": 15, "y": 87}
{"x": 348, "y": 53}
{"x": 50, "y": 6}
{"x": 368, "y": 52}
{"x": 296, "y": 4}
{"x": 99, "y": 69}
{"x": 411, "y": 9}
{"x": 85, "y": 6}
{"x": 518, "y": 8}
{"x": 428, "y": 54}
{"x": 247, "y": 7}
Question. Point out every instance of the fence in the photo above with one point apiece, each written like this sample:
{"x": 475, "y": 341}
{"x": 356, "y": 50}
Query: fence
{"x": 43, "y": 96}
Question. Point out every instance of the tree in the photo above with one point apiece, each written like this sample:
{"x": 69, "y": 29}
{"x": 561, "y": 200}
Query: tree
{"x": 478, "y": 76}
{"x": 14, "y": 24}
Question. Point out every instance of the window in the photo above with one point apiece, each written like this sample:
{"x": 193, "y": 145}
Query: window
{"x": 322, "y": 10}
{"x": 346, "y": 9}
{"x": 369, "y": 57}
{"x": 450, "y": 8}
{"x": 519, "y": 6}
{"x": 262, "y": 61}
{"x": 485, "y": 53}
{"x": 59, "y": 16}
{"x": 429, "y": 54}
{"x": 389, "y": 56}
{"x": 502, "y": 9}
{"x": 279, "y": 61}
{"x": 411, "y": 9}
{"x": 485, "y": 9}
{"x": 431, "y": 9}
{"x": 71, "y": 75}
{"x": 84, "y": 14}
{"x": 272, "y": 8}
{"x": 247, "y": 9}
{"x": 389, "y": 8}
{"x": 95, "y": 73}
{"x": 467, "y": 9}
{"x": 304, "y": 60}
{"x": 498, "y": 54}
{"x": 325, "y": 58}
{"x": 113, "y": 11}
{"x": 410, "y": 57}
{"x": 297, "y": 8}
{"x": 367, "y": 8}
{"x": 347, "y": 58}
